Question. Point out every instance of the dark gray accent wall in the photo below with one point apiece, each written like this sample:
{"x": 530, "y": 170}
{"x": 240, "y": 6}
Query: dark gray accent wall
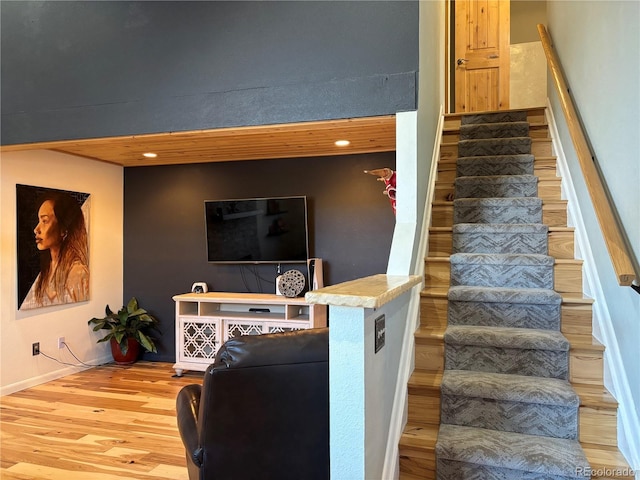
{"x": 350, "y": 225}
{"x": 83, "y": 69}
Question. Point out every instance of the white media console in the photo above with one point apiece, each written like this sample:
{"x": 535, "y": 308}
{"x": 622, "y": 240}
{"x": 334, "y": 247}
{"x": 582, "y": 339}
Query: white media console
{"x": 204, "y": 321}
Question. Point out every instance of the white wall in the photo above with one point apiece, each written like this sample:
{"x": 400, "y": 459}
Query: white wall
{"x": 528, "y": 75}
{"x": 362, "y": 383}
{"x": 431, "y": 97}
{"x": 525, "y": 15}
{"x": 597, "y": 43}
{"x": 19, "y": 329}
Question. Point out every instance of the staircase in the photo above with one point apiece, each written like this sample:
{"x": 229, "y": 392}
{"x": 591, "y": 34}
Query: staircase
{"x": 508, "y": 378}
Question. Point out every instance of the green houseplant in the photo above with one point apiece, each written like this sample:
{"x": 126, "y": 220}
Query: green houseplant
{"x": 128, "y": 330}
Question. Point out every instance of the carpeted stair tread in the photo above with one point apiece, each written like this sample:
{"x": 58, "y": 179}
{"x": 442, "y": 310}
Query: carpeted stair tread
{"x": 494, "y": 117}
{"x": 497, "y": 210}
{"x": 502, "y": 270}
{"x": 505, "y": 337}
{"x": 536, "y": 308}
{"x": 490, "y": 186}
{"x": 494, "y": 146}
{"x": 522, "y": 164}
{"x": 515, "y": 454}
{"x": 494, "y": 130}
{"x": 513, "y": 388}
{"x": 510, "y": 403}
{"x": 498, "y": 202}
{"x": 500, "y": 238}
{"x": 502, "y": 259}
{"x": 521, "y": 228}
{"x": 496, "y": 179}
{"x": 534, "y": 296}
{"x": 499, "y": 356}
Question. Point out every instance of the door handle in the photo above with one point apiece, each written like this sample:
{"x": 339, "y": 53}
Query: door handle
{"x": 461, "y": 61}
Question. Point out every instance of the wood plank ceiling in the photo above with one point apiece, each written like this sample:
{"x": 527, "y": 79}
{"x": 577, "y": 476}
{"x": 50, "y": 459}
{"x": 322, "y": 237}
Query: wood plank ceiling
{"x": 307, "y": 139}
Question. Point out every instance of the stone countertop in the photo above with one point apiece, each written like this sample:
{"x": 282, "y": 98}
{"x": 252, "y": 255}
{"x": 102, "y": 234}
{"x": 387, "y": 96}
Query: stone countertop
{"x": 367, "y": 292}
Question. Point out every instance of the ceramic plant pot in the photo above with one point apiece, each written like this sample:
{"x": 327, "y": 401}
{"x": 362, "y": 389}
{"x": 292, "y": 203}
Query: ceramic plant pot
{"x": 133, "y": 351}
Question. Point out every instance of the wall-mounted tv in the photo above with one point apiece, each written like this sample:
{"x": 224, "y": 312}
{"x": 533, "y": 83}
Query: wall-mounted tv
{"x": 257, "y": 230}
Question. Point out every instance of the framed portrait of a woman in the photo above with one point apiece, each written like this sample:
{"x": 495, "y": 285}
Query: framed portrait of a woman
{"x": 53, "y": 246}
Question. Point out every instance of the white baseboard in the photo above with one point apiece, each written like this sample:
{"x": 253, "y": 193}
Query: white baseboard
{"x": 615, "y": 374}
{"x": 47, "y": 377}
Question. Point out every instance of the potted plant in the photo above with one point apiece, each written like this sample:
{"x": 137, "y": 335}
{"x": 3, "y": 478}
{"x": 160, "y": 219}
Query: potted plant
{"x": 128, "y": 331}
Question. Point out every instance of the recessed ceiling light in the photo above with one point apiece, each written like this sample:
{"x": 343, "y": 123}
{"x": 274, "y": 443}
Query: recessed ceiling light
{"x": 150, "y": 155}
{"x": 342, "y": 143}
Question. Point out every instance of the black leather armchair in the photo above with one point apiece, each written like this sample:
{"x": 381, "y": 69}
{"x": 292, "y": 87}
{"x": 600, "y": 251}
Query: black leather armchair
{"x": 262, "y": 411}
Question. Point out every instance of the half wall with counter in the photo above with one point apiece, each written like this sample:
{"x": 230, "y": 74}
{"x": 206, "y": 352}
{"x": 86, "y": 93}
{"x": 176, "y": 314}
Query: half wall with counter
{"x": 368, "y": 326}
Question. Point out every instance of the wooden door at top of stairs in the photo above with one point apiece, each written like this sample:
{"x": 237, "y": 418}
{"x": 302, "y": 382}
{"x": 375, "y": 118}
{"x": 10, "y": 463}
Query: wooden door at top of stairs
{"x": 482, "y": 37}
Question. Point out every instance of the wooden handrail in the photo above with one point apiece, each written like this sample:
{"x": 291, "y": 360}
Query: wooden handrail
{"x": 618, "y": 250}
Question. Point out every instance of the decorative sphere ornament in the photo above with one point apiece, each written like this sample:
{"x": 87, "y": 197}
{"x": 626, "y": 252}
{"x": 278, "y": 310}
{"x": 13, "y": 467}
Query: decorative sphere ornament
{"x": 291, "y": 283}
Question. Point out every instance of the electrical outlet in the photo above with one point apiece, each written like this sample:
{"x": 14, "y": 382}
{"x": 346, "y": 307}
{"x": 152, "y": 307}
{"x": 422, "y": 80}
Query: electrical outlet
{"x": 60, "y": 342}
{"x": 35, "y": 348}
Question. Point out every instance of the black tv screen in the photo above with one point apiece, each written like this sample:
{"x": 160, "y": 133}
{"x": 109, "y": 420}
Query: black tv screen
{"x": 257, "y": 230}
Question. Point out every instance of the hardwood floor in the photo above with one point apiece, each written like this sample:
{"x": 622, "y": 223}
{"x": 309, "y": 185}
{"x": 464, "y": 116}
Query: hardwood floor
{"x": 110, "y": 422}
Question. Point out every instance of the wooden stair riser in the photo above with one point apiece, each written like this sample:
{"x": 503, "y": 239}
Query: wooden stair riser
{"x": 576, "y": 318}
{"x": 586, "y": 366}
{"x": 597, "y": 411}
{"x": 597, "y": 426}
{"x": 433, "y": 312}
{"x": 548, "y": 190}
{"x": 424, "y": 409}
{"x": 417, "y": 452}
{"x": 561, "y": 244}
{"x": 586, "y": 362}
{"x": 412, "y": 468}
{"x": 586, "y": 355}
{"x": 543, "y": 168}
{"x": 430, "y": 355}
{"x": 452, "y": 135}
{"x": 607, "y": 460}
{"x": 535, "y": 115}
{"x": 554, "y": 214}
{"x": 567, "y": 275}
{"x": 539, "y": 147}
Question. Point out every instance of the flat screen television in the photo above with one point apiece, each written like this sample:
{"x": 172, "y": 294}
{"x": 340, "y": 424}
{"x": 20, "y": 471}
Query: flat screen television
{"x": 257, "y": 230}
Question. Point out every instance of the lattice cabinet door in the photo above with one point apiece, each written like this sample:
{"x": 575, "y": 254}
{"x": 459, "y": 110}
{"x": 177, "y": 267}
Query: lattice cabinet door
{"x": 235, "y": 328}
{"x": 285, "y": 327}
{"x": 201, "y": 339}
